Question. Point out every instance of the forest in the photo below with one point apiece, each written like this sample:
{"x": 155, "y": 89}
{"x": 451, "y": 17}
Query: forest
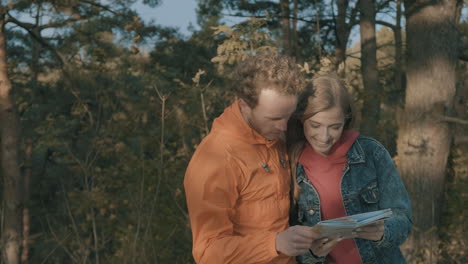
{"x": 101, "y": 112}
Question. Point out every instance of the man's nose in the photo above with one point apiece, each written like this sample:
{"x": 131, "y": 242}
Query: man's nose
{"x": 282, "y": 125}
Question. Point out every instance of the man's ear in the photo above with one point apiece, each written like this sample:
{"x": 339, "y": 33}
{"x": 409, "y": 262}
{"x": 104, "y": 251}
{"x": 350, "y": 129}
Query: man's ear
{"x": 244, "y": 107}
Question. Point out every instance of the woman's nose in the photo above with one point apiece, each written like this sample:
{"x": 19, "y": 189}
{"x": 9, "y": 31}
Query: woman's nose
{"x": 323, "y": 135}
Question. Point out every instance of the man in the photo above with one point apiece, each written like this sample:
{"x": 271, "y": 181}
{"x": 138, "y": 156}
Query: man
{"x": 237, "y": 183}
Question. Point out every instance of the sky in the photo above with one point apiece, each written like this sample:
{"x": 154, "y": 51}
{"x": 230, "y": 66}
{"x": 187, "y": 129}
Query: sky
{"x": 182, "y": 14}
{"x": 174, "y": 13}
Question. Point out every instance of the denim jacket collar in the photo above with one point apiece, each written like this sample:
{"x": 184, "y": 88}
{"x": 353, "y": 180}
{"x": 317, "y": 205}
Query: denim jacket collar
{"x": 356, "y": 154}
{"x": 300, "y": 174}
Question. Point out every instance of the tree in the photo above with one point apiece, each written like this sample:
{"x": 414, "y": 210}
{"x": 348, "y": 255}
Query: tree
{"x": 62, "y": 16}
{"x": 424, "y": 137}
{"x": 286, "y": 26}
{"x": 12, "y": 182}
{"x": 343, "y": 29}
{"x": 369, "y": 69}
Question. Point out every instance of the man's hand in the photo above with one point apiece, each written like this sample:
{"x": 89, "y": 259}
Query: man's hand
{"x": 323, "y": 248}
{"x": 297, "y": 240}
{"x": 371, "y": 232}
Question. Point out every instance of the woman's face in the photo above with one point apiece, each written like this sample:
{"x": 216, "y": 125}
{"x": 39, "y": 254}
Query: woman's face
{"x": 324, "y": 129}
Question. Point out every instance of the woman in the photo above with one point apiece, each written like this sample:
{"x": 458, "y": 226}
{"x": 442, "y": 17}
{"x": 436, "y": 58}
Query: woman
{"x": 337, "y": 172}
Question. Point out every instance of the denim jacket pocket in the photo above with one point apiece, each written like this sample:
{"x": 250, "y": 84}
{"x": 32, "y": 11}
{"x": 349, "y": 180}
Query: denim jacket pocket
{"x": 302, "y": 214}
{"x": 370, "y": 193}
{"x": 308, "y": 215}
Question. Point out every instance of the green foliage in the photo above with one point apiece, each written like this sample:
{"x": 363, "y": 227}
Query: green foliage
{"x": 95, "y": 125}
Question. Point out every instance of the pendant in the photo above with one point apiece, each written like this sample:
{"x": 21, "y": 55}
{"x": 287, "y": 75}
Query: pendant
{"x": 265, "y": 167}
{"x": 283, "y": 162}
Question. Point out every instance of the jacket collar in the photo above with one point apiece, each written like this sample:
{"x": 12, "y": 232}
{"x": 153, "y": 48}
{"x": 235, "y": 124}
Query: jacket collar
{"x": 232, "y": 122}
{"x": 356, "y": 153}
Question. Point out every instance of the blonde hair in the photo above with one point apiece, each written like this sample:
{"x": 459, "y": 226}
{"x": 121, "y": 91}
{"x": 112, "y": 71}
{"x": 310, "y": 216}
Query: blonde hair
{"x": 324, "y": 93}
{"x": 270, "y": 70}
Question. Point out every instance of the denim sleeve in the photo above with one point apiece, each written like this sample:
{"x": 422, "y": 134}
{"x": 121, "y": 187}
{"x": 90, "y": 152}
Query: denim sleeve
{"x": 393, "y": 195}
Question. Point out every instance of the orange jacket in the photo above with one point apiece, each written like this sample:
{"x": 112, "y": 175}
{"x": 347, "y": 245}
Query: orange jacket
{"x": 236, "y": 208}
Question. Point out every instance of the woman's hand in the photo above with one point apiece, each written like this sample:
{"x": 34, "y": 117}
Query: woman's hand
{"x": 371, "y": 232}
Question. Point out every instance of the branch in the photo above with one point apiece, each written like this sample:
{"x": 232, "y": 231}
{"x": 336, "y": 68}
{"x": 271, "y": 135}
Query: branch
{"x": 388, "y": 44}
{"x": 384, "y": 23}
{"x": 101, "y": 6}
{"x": 49, "y": 25}
{"x": 382, "y": 5}
{"x": 4, "y": 9}
{"x": 63, "y": 23}
{"x": 462, "y": 47}
{"x": 460, "y": 140}
{"x": 328, "y": 31}
{"x": 454, "y": 120}
{"x": 352, "y": 56}
{"x": 325, "y": 21}
{"x": 353, "y": 20}
{"x": 29, "y": 28}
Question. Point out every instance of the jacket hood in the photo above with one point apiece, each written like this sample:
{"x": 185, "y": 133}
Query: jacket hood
{"x": 232, "y": 123}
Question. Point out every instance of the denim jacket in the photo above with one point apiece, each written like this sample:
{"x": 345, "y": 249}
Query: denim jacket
{"x": 370, "y": 182}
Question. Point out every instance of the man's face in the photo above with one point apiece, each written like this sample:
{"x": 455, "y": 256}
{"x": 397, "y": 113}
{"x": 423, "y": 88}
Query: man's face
{"x": 270, "y": 116}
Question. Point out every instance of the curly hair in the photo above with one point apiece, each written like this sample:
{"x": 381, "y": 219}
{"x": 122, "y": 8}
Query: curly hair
{"x": 267, "y": 70}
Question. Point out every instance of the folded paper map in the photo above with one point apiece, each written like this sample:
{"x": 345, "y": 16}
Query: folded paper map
{"x": 344, "y": 226}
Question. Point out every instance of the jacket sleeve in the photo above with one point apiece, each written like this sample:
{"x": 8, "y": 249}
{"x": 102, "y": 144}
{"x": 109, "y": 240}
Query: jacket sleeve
{"x": 212, "y": 185}
{"x": 393, "y": 195}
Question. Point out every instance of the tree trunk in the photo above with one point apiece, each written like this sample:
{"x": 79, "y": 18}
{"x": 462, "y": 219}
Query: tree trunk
{"x": 424, "y": 138}
{"x": 286, "y": 26}
{"x": 28, "y": 142}
{"x": 398, "y": 50}
{"x": 370, "y": 74}
{"x": 295, "y": 41}
{"x": 342, "y": 34}
{"x": 317, "y": 31}
{"x": 26, "y": 197}
{"x": 11, "y": 236}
